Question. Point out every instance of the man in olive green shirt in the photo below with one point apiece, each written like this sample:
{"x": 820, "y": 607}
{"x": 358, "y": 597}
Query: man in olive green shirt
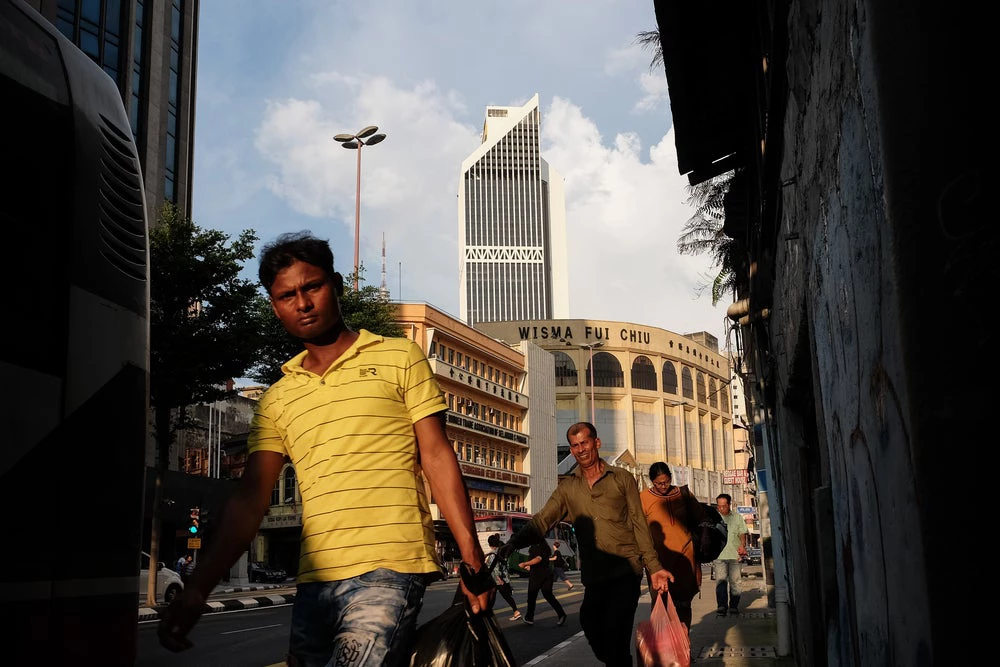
{"x": 602, "y": 502}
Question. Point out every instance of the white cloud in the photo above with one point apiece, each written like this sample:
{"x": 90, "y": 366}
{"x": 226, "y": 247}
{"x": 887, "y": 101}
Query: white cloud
{"x": 267, "y": 160}
{"x": 654, "y": 88}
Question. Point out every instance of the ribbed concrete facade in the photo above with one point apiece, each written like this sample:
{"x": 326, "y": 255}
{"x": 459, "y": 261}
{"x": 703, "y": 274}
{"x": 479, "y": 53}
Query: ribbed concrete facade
{"x": 512, "y": 224}
{"x": 542, "y": 459}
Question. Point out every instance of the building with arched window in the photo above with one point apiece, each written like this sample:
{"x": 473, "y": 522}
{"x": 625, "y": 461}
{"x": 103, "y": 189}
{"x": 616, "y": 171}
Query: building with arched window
{"x": 654, "y": 395}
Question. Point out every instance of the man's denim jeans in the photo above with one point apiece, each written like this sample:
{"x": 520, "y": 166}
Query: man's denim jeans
{"x": 728, "y": 583}
{"x": 367, "y": 620}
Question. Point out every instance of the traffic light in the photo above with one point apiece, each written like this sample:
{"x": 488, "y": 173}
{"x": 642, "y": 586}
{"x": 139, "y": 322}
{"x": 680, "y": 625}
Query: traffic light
{"x": 194, "y": 528}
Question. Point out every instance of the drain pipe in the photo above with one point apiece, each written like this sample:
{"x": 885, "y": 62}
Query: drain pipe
{"x": 775, "y": 525}
{"x": 772, "y": 526}
{"x": 739, "y": 312}
{"x": 781, "y": 620}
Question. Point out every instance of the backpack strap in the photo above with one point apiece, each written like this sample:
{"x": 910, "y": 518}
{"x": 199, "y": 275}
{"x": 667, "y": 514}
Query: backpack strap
{"x": 691, "y": 504}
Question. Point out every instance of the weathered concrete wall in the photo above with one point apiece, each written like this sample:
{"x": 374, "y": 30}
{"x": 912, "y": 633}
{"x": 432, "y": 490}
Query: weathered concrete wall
{"x": 855, "y": 578}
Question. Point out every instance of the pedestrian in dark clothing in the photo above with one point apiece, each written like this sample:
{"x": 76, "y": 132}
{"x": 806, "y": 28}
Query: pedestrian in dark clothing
{"x": 540, "y": 579}
{"x": 559, "y": 566}
{"x": 501, "y": 575}
{"x": 182, "y": 563}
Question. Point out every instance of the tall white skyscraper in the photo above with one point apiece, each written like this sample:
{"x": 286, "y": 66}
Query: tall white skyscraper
{"x": 511, "y": 224}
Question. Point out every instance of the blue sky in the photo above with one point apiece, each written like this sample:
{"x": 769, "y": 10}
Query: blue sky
{"x": 276, "y": 81}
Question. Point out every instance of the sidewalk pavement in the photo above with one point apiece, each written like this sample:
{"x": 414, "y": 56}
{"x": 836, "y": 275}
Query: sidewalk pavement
{"x": 747, "y": 640}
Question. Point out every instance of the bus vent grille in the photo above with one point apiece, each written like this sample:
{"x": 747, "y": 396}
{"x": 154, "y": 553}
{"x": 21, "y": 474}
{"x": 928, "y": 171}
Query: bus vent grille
{"x": 122, "y": 220}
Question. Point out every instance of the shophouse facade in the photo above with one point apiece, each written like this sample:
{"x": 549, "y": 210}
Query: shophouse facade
{"x": 489, "y": 420}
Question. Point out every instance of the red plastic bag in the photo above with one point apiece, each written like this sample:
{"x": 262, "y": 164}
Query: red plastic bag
{"x": 663, "y": 640}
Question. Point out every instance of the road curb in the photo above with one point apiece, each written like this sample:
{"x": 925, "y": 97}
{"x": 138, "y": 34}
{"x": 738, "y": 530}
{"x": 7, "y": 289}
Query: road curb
{"x": 212, "y": 606}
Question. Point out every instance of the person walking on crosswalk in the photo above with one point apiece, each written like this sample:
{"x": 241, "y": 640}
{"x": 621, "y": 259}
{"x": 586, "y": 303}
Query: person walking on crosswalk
{"x": 501, "y": 575}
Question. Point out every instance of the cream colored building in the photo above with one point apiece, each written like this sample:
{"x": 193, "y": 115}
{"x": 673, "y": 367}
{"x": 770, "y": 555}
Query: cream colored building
{"x": 657, "y": 396}
{"x": 505, "y": 445}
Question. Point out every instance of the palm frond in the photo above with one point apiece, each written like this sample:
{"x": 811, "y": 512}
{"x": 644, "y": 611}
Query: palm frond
{"x": 649, "y": 40}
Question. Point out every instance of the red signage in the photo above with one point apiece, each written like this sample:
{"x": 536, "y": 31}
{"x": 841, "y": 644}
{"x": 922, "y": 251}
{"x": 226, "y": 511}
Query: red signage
{"x": 734, "y": 476}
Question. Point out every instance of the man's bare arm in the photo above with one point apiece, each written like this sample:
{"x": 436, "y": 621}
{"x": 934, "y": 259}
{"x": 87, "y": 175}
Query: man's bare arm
{"x": 439, "y": 463}
{"x": 238, "y": 524}
{"x": 240, "y": 519}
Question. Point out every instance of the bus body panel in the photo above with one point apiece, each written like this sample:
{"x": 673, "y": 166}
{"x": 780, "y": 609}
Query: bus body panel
{"x": 73, "y": 354}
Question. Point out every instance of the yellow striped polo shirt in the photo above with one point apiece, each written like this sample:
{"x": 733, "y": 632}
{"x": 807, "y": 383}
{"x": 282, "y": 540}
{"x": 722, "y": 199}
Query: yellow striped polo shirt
{"x": 349, "y": 433}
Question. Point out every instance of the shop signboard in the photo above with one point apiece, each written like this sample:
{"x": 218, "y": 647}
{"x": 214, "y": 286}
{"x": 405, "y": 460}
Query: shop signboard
{"x": 734, "y": 476}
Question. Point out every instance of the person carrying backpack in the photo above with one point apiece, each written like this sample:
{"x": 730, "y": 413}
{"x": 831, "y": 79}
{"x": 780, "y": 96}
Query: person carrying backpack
{"x": 501, "y": 574}
{"x": 671, "y": 512}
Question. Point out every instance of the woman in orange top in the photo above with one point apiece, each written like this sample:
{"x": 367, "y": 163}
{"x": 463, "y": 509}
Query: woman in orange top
{"x": 670, "y": 510}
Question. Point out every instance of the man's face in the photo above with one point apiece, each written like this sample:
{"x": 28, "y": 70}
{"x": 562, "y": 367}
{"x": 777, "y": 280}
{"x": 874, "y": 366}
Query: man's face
{"x": 305, "y": 301}
{"x": 584, "y": 448}
{"x": 723, "y": 506}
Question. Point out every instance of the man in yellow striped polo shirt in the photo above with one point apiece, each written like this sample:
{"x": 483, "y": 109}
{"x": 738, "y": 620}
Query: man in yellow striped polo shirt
{"x": 360, "y": 417}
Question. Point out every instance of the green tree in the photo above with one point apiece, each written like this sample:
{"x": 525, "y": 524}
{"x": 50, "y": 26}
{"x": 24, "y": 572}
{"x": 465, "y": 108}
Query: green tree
{"x": 205, "y": 326}
{"x": 368, "y": 308}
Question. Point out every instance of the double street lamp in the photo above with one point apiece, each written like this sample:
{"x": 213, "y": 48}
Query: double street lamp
{"x": 364, "y": 137}
{"x": 589, "y": 346}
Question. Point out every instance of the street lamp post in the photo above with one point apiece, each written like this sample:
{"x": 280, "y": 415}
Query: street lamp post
{"x": 356, "y": 141}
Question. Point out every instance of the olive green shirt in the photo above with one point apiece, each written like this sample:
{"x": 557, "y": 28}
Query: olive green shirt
{"x": 611, "y": 530}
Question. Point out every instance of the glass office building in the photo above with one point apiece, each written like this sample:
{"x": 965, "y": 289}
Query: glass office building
{"x": 512, "y": 224}
{"x": 149, "y": 48}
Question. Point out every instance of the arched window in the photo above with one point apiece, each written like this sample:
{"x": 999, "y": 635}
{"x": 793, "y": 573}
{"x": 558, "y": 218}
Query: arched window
{"x": 565, "y": 370}
{"x": 687, "y": 384}
{"x": 713, "y": 394}
{"x": 289, "y": 484}
{"x": 607, "y": 371}
{"x": 724, "y": 395}
{"x": 701, "y": 388}
{"x": 643, "y": 374}
{"x": 669, "y": 378}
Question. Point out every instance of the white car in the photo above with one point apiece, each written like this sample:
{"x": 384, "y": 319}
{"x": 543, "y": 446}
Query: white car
{"x": 168, "y": 582}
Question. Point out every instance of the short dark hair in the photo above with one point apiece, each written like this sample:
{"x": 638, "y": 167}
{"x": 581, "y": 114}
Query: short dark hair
{"x": 292, "y": 247}
{"x": 579, "y": 426}
{"x": 493, "y": 540}
{"x": 659, "y": 468}
{"x": 729, "y": 498}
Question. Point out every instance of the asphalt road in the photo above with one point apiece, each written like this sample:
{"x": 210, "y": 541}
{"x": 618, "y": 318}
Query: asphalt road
{"x": 259, "y": 637}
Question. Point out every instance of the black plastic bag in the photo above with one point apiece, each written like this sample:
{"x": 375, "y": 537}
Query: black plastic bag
{"x": 457, "y": 638}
